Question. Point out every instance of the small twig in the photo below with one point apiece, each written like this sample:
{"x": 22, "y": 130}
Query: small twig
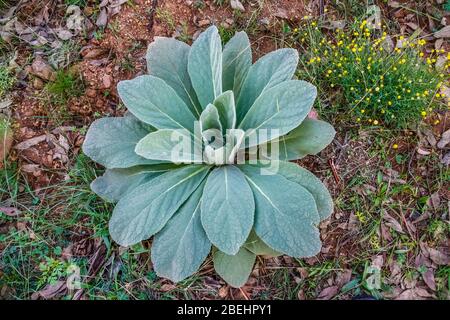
{"x": 333, "y": 169}
{"x": 321, "y": 8}
{"x": 151, "y": 18}
{"x": 244, "y": 294}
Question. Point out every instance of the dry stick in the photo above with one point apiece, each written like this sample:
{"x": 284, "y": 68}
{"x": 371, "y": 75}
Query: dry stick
{"x": 333, "y": 169}
{"x": 151, "y": 17}
{"x": 321, "y": 8}
{"x": 244, "y": 294}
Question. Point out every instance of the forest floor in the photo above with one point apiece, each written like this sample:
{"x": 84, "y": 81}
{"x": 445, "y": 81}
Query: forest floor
{"x": 387, "y": 239}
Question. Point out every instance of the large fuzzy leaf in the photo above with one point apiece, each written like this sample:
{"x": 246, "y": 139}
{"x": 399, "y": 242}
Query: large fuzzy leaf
{"x": 234, "y": 269}
{"x": 176, "y": 146}
{"x": 281, "y": 108}
{"x": 211, "y": 127}
{"x": 286, "y": 215}
{"x": 111, "y": 142}
{"x": 258, "y": 247}
{"x": 272, "y": 69}
{"x": 227, "y": 208}
{"x": 227, "y": 110}
{"x": 181, "y": 246}
{"x": 209, "y": 119}
{"x": 114, "y": 183}
{"x": 237, "y": 60}
{"x": 167, "y": 59}
{"x": 310, "y": 182}
{"x": 310, "y": 137}
{"x": 145, "y": 210}
{"x": 205, "y": 66}
{"x": 154, "y": 102}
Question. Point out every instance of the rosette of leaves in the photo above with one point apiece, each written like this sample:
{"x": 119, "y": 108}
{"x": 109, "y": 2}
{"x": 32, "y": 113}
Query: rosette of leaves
{"x": 210, "y": 202}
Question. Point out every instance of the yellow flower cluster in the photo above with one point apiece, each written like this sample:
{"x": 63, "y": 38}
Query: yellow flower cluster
{"x": 380, "y": 85}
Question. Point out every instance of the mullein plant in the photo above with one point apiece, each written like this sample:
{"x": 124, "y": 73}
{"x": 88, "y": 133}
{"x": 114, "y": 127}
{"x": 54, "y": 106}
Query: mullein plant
{"x": 200, "y": 162}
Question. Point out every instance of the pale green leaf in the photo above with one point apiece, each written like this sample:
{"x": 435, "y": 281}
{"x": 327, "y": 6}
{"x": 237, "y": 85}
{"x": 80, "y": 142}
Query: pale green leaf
{"x": 286, "y": 216}
{"x": 145, "y": 210}
{"x": 236, "y": 60}
{"x": 154, "y": 102}
{"x": 227, "y": 110}
{"x": 181, "y": 246}
{"x": 309, "y": 138}
{"x": 205, "y": 66}
{"x": 227, "y": 208}
{"x": 176, "y": 146}
{"x": 279, "y": 110}
{"x": 234, "y": 269}
{"x": 258, "y": 247}
{"x": 272, "y": 69}
{"x": 293, "y": 172}
{"x": 114, "y": 183}
{"x": 167, "y": 59}
{"x": 209, "y": 119}
{"x": 111, "y": 142}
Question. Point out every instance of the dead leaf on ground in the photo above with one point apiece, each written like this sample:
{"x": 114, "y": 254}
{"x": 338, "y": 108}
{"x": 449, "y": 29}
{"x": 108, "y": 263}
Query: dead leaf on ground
{"x": 446, "y": 159}
{"x": 30, "y": 168}
{"x": 328, "y": 293}
{"x": 30, "y": 142}
{"x": 168, "y": 287}
{"x": 237, "y": 5}
{"x": 414, "y": 294}
{"x": 434, "y": 201}
{"x": 10, "y": 211}
{"x": 223, "y": 292}
{"x": 423, "y": 152}
{"x": 75, "y": 18}
{"x": 51, "y": 291}
{"x": 343, "y": 277}
{"x": 438, "y": 257}
{"x": 392, "y": 223}
{"x": 428, "y": 278}
{"x": 443, "y": 33}
{"x": 445, "y": 140}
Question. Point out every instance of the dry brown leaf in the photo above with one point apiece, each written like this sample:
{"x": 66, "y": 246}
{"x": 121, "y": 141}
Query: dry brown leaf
{"x": 30, "y": 168}
{"x": 434, "y": 201}
{"x": 50, "y": 291}
{"x": 328, "y": 293}
{"x": 423, "y": 152}
{"x": 393, "y": 4}
{"x": 42, "y": 69}
{"x": 445, "y": 139}
{"x": 438, "y": 44}
{"x": 237, "y": 5}
{"x": 428, "y": 278}
{"x": 395, "y": 272}
{"x": 392, "y": 223}
{"x": 102, "y": 19}
{"x": 414, "y": 294}
{"x": 443, "y": 33}
{"x": 446, "y": 159}
{"x": 10, "y": 211}
{"x": 93, "y": 53}
{"x": 223, "y": 292}
{"x": 343, "y": 277}
{"x": 168, "y": 287}
{"x": 438, "y": 257}
{"x": 74, "y": 18}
